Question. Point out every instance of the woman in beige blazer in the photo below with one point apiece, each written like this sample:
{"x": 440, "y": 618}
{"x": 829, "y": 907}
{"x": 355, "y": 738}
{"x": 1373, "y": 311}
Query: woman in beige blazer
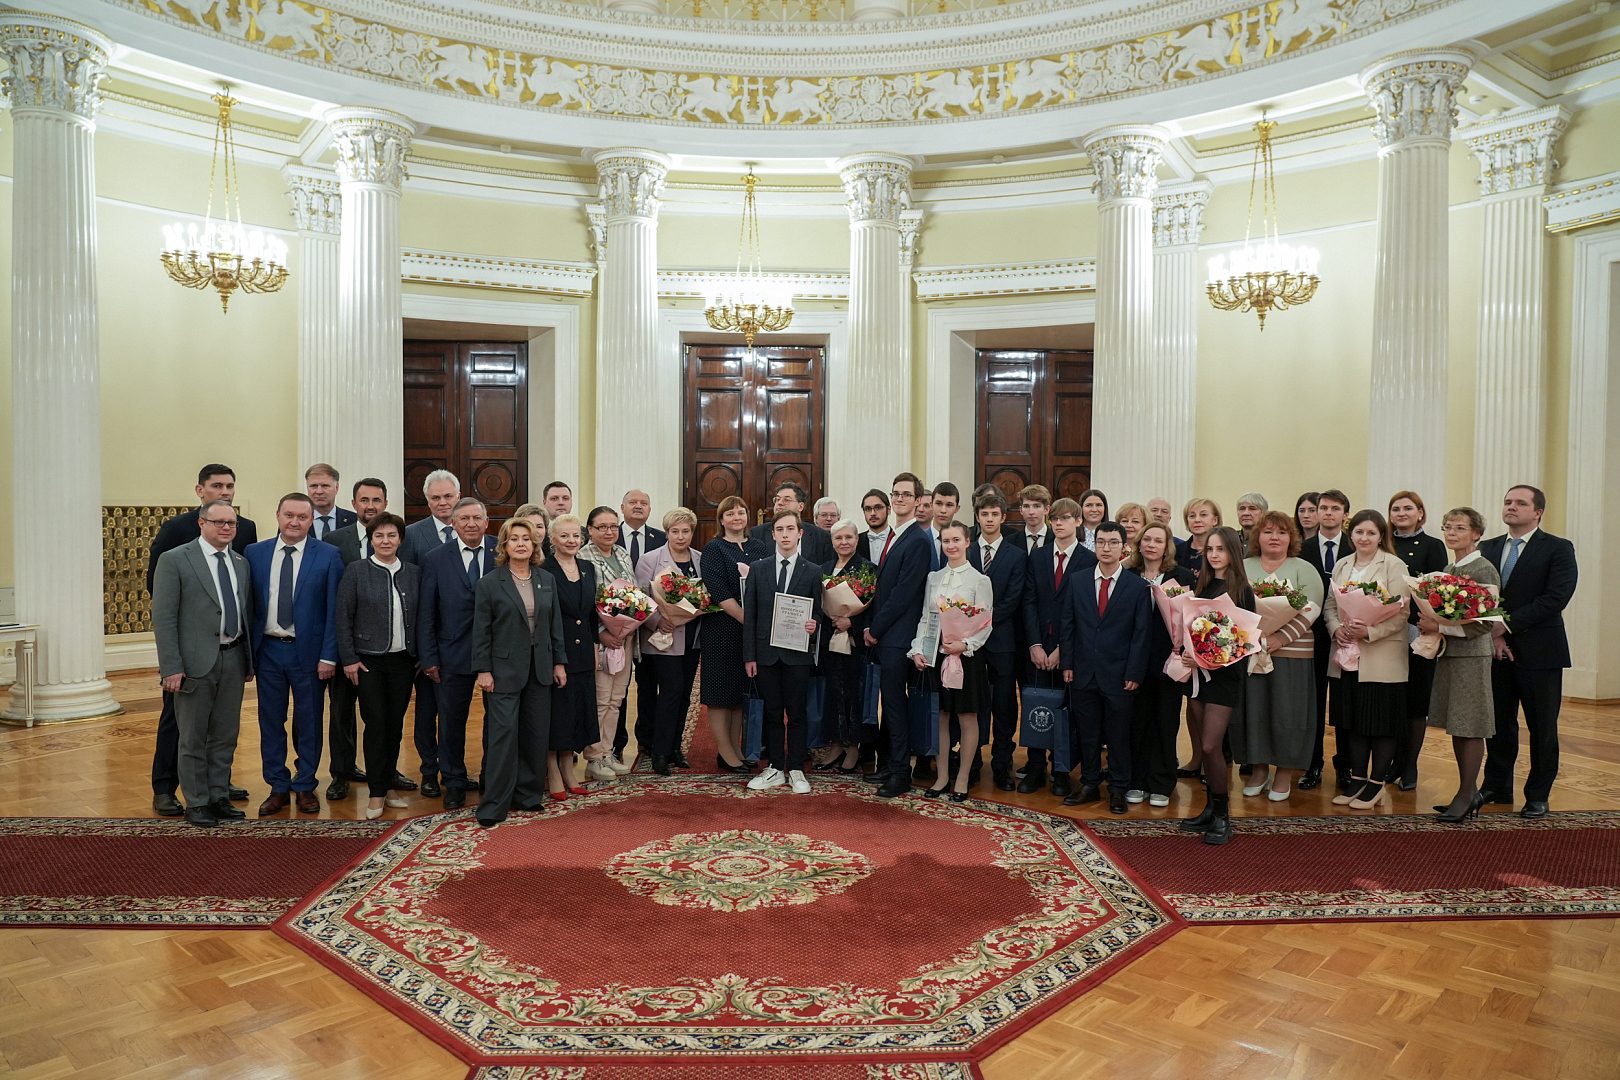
{"x": 1374, "y": 696}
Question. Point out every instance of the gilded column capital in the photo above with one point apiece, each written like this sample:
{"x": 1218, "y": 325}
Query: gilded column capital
{"x": 877, "y": 187}
{"x": 1178, "y": 214}
{"x": 910, "y": 225}
{"x": 630, "y": 182}
{"x": 371, "y": 145}
{"x": 56, "y": 63}
{"x": 1126, "y": 160}
{"x": 1515, "y": 151}
{"x": 317, "y": 200}
{"x": 1415, "y": 95}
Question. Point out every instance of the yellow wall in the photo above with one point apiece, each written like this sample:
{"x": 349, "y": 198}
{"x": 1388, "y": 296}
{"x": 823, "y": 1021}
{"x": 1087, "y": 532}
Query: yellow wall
{"x": 435, "y": 222}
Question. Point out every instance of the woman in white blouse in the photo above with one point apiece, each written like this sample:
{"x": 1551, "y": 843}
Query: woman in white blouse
{"x": 957, "y": 579}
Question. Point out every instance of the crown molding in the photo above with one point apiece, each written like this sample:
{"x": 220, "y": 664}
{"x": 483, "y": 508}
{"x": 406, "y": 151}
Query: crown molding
{"x": 487, "y": 272}
{"x": 1581, "y": 203}
{"x": 1010, "y": 279}
{"x": 801, "y": 284}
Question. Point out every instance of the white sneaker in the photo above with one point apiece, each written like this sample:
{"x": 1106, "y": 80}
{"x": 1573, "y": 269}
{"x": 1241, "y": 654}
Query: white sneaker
{"x": 801, "y": 786}
{"x": 770, "y": 778}
{"x": 601, "y": 769}
{"x": 616, "y": 763}
{"x": 396, "y": 802}
{"x": 1157, "y": 800}
{"x": 1135, "y": 795}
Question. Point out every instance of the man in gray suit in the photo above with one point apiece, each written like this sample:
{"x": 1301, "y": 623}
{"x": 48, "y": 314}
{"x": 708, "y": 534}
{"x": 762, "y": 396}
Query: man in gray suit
{"x": 202, "y": 604}
{"x": 442, "y": 491}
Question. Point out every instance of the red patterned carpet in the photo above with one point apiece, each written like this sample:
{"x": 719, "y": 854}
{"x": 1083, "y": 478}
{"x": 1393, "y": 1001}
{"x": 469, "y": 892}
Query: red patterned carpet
{"x": 1385, "y": 867}
{"x": 799, "y": 1070}
{"x": 672, "y": 920}
{"x": 136, "y": 872}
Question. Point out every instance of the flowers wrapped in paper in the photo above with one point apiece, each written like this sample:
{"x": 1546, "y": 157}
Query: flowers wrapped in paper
{"x": 844, "y": 596}
{"x": 1367, "y": 602}
{"x": 1167, "y": 597}
{"x": 1455, "y": 600}
{"x": 680, "y": 599}
{"x": 959, "y": 619}
{"x": 1277, "y": 603}
{"x": 622, "y": 608}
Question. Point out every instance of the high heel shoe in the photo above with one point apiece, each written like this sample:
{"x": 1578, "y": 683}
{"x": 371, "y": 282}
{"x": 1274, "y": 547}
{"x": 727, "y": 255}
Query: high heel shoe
{"x": 558, "y": 796}
{"x": 1381, "y": 796}
{"x": 579, "y": 789}
{"x": 958, "y": 796}
{"x": 932, "y": 792}
{"x": 1252, "y": 790}
{"x": 1356, "y": 784}
{"x": 725, "y": 766}
{"x": 1468, "y": 812}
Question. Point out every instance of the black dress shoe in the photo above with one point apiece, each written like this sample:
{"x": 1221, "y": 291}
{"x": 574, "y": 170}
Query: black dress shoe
{"x": 201, "y": 816}
{"x": 1311, "y": 780}
{"x": 1085, "y": 793}
{"x": 487, "y": 823}
{"x": 680, "y": 762}
{"x": 1033, "y": 781}
{"x": 893, "y": 789}
{"x": 430, "y": 787}
{"x": 337, "y": 789}
{"x": 224, "y": 811}
{"x": 356, "y": 776}
{"x": 476, "y": 785}
{"x": 958, "y": 796}
{"x": 1116, "y": 802}
{"x": 236, "y": 794}
{"x": 1533, "y": 809}
{"x": 660, "y": 765}
{"x": 166, "y": 805}
{"x": 1496, "y": 798}
{"x": 725, "y": 766}
{"x": 402, "y": 783}
{"x": 1061, "y": 784}
{"x": 1004, "y": 781}
{"x": 877, "y": 778}
{"x": 455, "y": 798}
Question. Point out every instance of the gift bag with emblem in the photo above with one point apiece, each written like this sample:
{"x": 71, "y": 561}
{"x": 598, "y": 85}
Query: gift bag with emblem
{"x": 1044, "y": 724}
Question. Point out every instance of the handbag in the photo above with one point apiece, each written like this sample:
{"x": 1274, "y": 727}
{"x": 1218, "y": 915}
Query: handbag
{"x": 922, "y": 707}
{"x": 1044, "y": 724}
{"x": 753, "y": 724}
{"x": 872, "y": 694}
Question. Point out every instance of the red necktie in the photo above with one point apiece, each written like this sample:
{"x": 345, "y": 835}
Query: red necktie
{"x": 884, "y": 554}
{"x": 1102, "y": 598}
{"x": 1058, "y": 584}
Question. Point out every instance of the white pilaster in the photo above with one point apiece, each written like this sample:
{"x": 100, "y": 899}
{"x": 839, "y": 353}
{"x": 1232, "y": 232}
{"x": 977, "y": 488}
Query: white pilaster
{"x": 1516, "y": 163}
{"x": 56, "y": 69}
{"x": 1178, "y": 225}
{"x": 324, "y": 413}
{"x": 1413, "y": 94}
{"x": 371, "y": 146}
{"x": 630, "y": 183}
{"x": 1125, "y": 381}
{"x": 878, "y": 193}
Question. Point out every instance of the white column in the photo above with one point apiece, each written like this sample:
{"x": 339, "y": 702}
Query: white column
{"x": 630, "y": 183}
{"x": 1125, "y": 377}
{"x": 1178, "y": 295}
{"x": 877, "y": 188}
{"x": 1413, "y": 94}
{"x": 56, "y": 68}
{"x": 371, "y": 146}
{"x": 1510, "y": 388}
{"x": 324, "y": 410}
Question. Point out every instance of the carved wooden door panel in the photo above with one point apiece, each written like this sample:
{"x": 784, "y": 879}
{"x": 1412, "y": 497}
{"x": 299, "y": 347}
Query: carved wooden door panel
{"x": 1034, "y": 420}
{"x": 467, "y": 410}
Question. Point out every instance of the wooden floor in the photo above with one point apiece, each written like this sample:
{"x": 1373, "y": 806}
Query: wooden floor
{"x": 1538, "y": 1000}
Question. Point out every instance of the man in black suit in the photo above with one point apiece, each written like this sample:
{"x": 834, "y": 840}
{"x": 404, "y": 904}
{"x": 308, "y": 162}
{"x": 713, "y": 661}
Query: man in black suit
{"x": 637, "y": 537}
{"x": 902, "y": 578}
{"x": 1045, "y": 591}
{"x": 1322, "y": 551}
{"x": 215, "y": 483}
{"x": 321, "y": 485}
{"x": 1538, "y": 579}
{"x": 442, "y": 491}
{"x": 1103, "y": 635}
{"x": 875, "y": 511}
{"x": 817, "y": 542}
{"x": 1010, "y": 529}
{"x": 1004, "y": 562}
{"x": 783, "y": 674}
{"x": 1034, "y": 508}
{"x": 369, "y": 497}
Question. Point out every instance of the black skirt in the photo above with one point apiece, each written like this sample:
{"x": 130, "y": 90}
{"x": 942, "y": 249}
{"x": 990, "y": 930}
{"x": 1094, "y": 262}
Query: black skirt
{"x": 1374, "y": 710}
{"x": 965, "y": 700}
{"x": 1223, "y": 686}
{"x": 574, "y": 724}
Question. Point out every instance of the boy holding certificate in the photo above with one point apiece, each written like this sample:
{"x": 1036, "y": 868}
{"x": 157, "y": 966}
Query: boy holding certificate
{"x": 781, "y": 615}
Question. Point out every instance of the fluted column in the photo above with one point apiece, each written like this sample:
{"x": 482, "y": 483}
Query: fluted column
{"x": 630, "y": 183}
{"x": 1516, "y": 163}
{"x": 324, "y": 415}
{"x": 877, "y": 188}
{"x": 56, "y": 68}
{"x": 1413, "y": 95}
{"x": 1124, "y": 377}
{"x": 371, "y": 146}
{"x": 1178, "y": 225}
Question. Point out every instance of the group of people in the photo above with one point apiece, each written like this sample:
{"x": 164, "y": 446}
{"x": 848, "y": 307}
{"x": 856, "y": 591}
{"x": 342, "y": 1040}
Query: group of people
{"x": 963, "y": 613}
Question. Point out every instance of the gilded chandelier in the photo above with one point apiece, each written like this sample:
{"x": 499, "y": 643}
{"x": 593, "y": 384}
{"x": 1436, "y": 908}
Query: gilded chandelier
{"x": 748, "y": 302}
{"x": 222, "y": 254}
{"x": 1268, "y": 276}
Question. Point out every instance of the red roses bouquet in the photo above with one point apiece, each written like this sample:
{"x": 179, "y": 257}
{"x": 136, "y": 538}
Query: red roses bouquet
{"x": 1277, "y": 603}
{"x": 1216, "y": 633}
{"x": 959, "y": 619}
{"x": 622, "y": 608}
{"x": 683, "y": 598}
{"x": 844, "y": 596}
{"x": 1453, "y": 599}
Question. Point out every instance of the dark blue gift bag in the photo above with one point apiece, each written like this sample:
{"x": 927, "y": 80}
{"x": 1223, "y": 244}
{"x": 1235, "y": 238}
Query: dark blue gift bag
{"x": 1044, "y": 724}
{"x": 923, "y": 705}
{"x": 753, "y": 724}
{"x": 873, "y": 691}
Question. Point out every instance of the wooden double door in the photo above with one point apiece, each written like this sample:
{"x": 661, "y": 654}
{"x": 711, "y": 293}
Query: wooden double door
{"x": 467, "y": 410}
{"x": 754, "y": 421}
{"x": 1034, "y": 420}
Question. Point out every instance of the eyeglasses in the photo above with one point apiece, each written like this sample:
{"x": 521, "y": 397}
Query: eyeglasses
{"x": 605, "y": 525}
{"x": 220, "y": 523}
{"x": 874, "y": 508}
{"x": 902, "y": 495}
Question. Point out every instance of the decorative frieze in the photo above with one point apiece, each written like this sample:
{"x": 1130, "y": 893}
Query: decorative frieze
{"x": 371, "y": 145}
{"x": 55, "y": 63}
{"x": 1010, "y": 279}
{"x": 488, "y": 272}
{"x": 1515, "y": 152}
{"x": 630, "y": 182}
{"x": 1415, "y": 95}
{"x": 1576, "y": 205}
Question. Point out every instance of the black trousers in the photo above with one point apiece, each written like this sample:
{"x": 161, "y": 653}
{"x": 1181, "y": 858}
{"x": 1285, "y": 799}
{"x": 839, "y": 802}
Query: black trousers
{"x": 1100, "y": 719}
{"x": 1540, "y": 693}
{"x": 895, "y": 681}
{"x": 341, "y": 740}
{"x": 1154, "y": 728}
{"x": 454, "y": 695}
{"x": 426, "y": 729}
{"x": 786, "y": 689}
{"x": 385, "y": 694}
{"x": 519, "y": 725}
{"x": 166, "y": 751}
{"x": 1000, "y": 690}
{"x": 673, "y": 676}
{"x": 646, "y": 697}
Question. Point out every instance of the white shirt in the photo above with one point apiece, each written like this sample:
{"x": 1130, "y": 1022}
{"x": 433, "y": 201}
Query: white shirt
{"x": 1036, "y": 539}
{"x": 1113, "y": 581}
{"x": 445, "y": 538}
{"x": 1067, "y": 555}
{"x": 1340, "y": 544}
{"x": 989, "y": 549}
{"x": 875, "y": 542}
{"x": 776, "y": 566}
{"x": 209, "y": 552}
{"x": 1088, "y": 538}
{"x": 271, "y": 626}
{"x": 951, "y": 581}
{"x": 631, "y": 543}
{"x": 468, "y": 554}
{"x": 330, "y": 513}
{"x": 396, "y": 611}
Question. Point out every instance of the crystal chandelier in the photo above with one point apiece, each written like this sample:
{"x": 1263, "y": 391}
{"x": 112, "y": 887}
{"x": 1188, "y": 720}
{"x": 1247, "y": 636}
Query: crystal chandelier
{"x": 1269, "y": 275}
{"x": 747, "y": 302}
{"x": 222, "y": 254}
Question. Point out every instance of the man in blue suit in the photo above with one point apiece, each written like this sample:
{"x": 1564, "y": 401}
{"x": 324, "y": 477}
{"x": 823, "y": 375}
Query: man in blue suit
{"x": 1005, "y": 563}
{"x": 450, "y": 577}
{"x": 1103, "y": 637}
{"x": 294, "y": 638}
{"x": 1045, "y": 592}
{"x": 901, "y": 580}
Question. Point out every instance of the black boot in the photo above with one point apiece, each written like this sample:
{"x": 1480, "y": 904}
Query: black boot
{"x": 1201, "y": 822}
{"x": 1220, "y": 824}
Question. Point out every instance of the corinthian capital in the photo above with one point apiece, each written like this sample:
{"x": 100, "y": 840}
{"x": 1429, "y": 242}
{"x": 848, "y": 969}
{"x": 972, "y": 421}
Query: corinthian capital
{"x": 55, "y": 63}
{"x": 1126, "y": 160}
{"x": 1515, "y": 151}
{"x": 317, "y": 203}
{"x": 371, "y": 145}
{"x": 1178, "y": 214}
{"x": 877, "y": 187}
{"x": 1415, "y": 95}
{"x": 630, "y": 182}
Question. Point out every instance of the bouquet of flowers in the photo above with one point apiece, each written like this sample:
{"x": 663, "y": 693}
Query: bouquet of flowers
{"x": 1453, "y": 599}
{"x": 844, "y": 596}
{"x": 959, "y": 619}
{"x": 1368, "y": 602}
{"x": 1166, "y": 596}
{"x": 1277, "y": 603}
{"x": 682, "y": 598}
{"x": 1215, "y": 633}
{"x": 622, "y": 608}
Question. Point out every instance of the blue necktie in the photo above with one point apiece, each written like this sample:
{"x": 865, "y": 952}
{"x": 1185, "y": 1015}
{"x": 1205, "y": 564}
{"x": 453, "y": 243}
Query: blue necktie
{"x": 1512, "y": 560}
{"x": 227, "y": 599}
{"x": 326, "y": 526}
{"x": 284, "y": 589}
{"x": 445, "y": 534}
{"x": 473, "y": 569}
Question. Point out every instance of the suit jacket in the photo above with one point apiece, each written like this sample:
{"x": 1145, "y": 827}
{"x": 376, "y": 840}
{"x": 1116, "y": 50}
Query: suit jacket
{"x": 1025, "y": 537}
{"x": 314, "y": 599}
{"x": 1542, "y": 583}
{"x": 503, "y": 644}
{"x": 652, "y": 564}
{"x": 580, "y": 628}
{"x": 422, "y": 538}
{"x": 186, "y": 610}
{"x": 902, "y": 578}
{"x": 1008, "y": 572}
{"x": 1384, "y": 654}
{"x": 364, "y": 625}
{"x": 183, "y": 529}
{"x": 1311, "y": 551}
{"x": 1110, "y": 649}
{"x": 348, "y": 541}
{"x": 654, "y": 538}
{"x": 815, "y": 544}
{"x": 342, "y": 519}
{"x": 444, "y": 623}
{"x": 759, "y": 603}
{"x": 1043, "y": 599}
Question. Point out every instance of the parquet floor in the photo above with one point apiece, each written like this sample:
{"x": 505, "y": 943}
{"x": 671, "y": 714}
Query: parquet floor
{"x": 1472, "y": 1000}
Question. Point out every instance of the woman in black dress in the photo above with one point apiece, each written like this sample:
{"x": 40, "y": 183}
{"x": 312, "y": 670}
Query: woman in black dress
{"x": 845, "y": 672}
{"x": 1157, "y": 719}
{"x": 1219, "y": 691}
{"x": 573, "y": 707}
{"x": 724, "y": 685}
{"x": 1422, "y": 554}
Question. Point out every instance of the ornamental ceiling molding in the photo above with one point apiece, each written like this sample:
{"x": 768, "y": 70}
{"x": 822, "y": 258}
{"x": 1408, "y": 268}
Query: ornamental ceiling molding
{"x": 509, "y": 58}
{"x": 487, "y": 272}
{"x": 1011, "y": 279}
{"x": 1583, "y": 203}
{"x": 802, "y": 284}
